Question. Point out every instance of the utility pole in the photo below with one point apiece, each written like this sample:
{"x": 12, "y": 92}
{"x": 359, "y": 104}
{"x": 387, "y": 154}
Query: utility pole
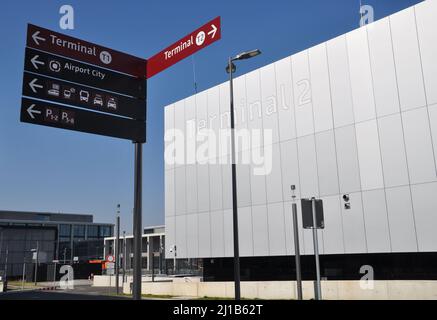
{"x": 124, "y": 256}
{"x": 296, "y": 246}
{"x": 36, "y": 262}
{"x": 117, "y": 250}
{"x": 6, "y": 262}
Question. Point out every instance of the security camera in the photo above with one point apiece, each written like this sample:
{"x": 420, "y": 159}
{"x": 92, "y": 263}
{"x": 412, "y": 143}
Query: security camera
{"x": 293, "y": 187}
{"x": 346, "y": 197}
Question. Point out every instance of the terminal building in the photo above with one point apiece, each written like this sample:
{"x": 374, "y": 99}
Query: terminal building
{"x": 67, "y": 238}
{"x": 153, "y": 258}
{"x": 352, "y": 118}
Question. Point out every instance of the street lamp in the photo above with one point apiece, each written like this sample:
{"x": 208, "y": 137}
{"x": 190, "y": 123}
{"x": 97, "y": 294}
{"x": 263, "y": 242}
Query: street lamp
{"x": 231, "y": 68}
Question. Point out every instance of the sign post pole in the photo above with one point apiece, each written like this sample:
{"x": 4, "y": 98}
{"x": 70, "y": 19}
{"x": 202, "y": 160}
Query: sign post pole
{"x": 137, "y": 224}
{"x": 296, "y": 246}
{"x": 318, "y": 290}
{"x": 117, "y": 251}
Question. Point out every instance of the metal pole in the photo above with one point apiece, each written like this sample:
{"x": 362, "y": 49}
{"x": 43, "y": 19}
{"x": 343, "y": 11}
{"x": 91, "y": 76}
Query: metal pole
{"x": 297, "y": 253}
{"x": 24, "y": 272}
{"x": 54, "y": 276}
{"x": 318, "y": 290}
{"x": 117, "y": 251}
{"x": 36, "y": 262}
{"x": 150, "y": 247}
{"x": 174, "y": 260}
{"x": 6, "y": 262}
{"x": 124, "y": 256}
{"x": 137, "y": 225}
{"x": 234, "y": 190}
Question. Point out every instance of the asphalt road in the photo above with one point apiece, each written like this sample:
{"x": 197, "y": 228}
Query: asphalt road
{"x": 78, "y": 293}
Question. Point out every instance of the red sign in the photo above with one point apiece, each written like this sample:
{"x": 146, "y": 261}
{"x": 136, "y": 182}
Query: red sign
{"x": 61, "y": 44}
{"x": 185, "y": 47}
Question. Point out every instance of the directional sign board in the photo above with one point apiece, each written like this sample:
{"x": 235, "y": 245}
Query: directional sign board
{"x": 61, "y": 68}
{"x": 61, "y": 44}
{"x": 58, "y": 116}
{"x": 41, "y": 87}
{"x": 104, "y": 89}
{"x": 198, "y": 39}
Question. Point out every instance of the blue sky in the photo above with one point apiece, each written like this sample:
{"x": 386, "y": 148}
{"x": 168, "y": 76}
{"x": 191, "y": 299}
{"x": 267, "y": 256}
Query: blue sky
{"x": 46, "y": 169}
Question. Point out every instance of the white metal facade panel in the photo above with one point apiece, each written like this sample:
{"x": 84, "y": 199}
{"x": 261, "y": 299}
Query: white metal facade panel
{"x": 349, "y": 116}
{"x": 340, "y": 82}
{"x": 327, "y": 163}
{"x": 353, "y": 226}
{"x": 320, "y": 87}
{"x": 276, "y": 231}
{"x": 308, "y": 167}
{"x": 347, "y": 157}
{"x": 425, "y": 204}
{"x": 284, "y": 94}
{"x": 426, "y": 13}
{"x": 260, "y": 233}
{"x": 361, "y": 75}
{"x": 181, "y": 236}
{"x": 217, "y": 234}
{"x": 419, "y": 147}
{"x": 245, "y": 229}
{"x": 274, "y": 184}
{"x": 407, "y": 58}
{"x": 401, "y": 219}
{"x": 303, "y": 105}
{"x": 376, "y": 221}
{"x": 333, "y": 239}
{"x": 383, "y": 68}
{"x": 269, "y": 102}
{"x": 394, "y": 159}
{"x": 169, "y": 192}
{"x": 369, "y": 155}
{"x": 204, "y": 221}
{"x": 192, "y": 235}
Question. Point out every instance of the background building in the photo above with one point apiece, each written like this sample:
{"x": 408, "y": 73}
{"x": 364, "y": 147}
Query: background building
{"x": 354, "y": 116}
{"x": 65, "y": 237}
{"x": 153, "y": 253}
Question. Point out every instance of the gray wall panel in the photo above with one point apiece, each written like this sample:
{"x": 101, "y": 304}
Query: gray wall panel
{"x": 401, "y": 220}
{"x": 360, "y": 75}
{"x": 245, "y": 231}
{"x": 383, "y": 68}
{"x": 284, "y": 93}
{"x": 369, "y": 155}
{"x": 394, "y": 159}
{"x": 327, "y": 163}
{"x": 407, "y": 59}
{"x": 425, "y": 204}
{"x": 353, "y": 226}
{"x": 260, "y": 231}
{"x": 192, "y": 235}
{"x": 333, "y": 232}
{"x": 217, "y": 234}
{"x": 340, "y": 82}
{"x": 419, "y": 148}
{"x": 347, "y": 157}
{"x": 204, "y": 234}
{"x": 276, "y": 231}
{"x": 302, "y": 94}
{"x": 376, "y": 221}
{"x": 321, "y": 90}
{"x": 274, "y": 186}
{"x": 308, "y": 167}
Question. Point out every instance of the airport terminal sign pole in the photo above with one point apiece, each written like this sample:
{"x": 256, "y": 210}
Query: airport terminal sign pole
{"x": 137, "y": 225}
{"x": 296, "y": 247}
